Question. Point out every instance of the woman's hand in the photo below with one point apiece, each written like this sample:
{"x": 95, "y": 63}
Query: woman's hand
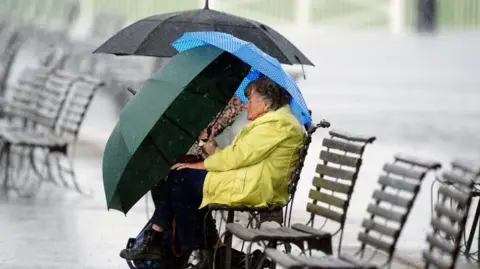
{"x": 180, "y": 166}
{"x": 209, "y": 147}
{"x": 203, "y": 135}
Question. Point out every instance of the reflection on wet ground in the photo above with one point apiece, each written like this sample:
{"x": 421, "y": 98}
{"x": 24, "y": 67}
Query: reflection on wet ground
{"x": 418, "y": 96}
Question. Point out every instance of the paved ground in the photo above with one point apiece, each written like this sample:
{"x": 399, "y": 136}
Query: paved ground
{"x": 419, "y": 96}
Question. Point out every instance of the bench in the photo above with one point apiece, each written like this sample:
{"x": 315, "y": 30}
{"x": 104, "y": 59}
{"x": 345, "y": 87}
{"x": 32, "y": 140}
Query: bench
{"x": 448, "y": 222}
{"x": 52, "y": 115}
{"x": 399, "y": 185}
{"x": 339, "y": 164}
{"x": 254, "y": 211}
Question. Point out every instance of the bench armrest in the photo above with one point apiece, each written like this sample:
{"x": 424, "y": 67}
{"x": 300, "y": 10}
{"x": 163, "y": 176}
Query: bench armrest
{"x": 352, "y": 137}
{"x": 429, "y": 164}
{"x": 243, "y": 208}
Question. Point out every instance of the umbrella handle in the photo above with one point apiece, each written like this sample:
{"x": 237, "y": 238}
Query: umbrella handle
{"x": 202, "y": 142}
{"x": 132, "y": 91}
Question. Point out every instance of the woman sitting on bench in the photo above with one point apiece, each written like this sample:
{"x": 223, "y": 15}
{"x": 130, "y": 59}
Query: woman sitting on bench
{"x": 253, "y": 170}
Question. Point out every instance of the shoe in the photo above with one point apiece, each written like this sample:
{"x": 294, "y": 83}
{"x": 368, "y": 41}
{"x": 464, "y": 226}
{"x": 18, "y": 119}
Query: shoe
{"x": 149, "y": 249}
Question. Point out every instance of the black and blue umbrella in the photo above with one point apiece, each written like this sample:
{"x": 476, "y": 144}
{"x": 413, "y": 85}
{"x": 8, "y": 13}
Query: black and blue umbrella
{"x": 260, "y": 62}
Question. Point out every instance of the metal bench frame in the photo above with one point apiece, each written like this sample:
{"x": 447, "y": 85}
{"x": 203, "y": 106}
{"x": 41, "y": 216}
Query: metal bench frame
{"x": 254, "y": 211}
{"x": 47, "y": 131}
{"x": 340, "y": 161}
{"x": 448, "y": 222}
{"x": 405, "y": 174}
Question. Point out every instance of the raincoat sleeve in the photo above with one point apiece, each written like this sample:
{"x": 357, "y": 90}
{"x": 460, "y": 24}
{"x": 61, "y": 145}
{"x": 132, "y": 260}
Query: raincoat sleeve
{"x": 248, "y": 150}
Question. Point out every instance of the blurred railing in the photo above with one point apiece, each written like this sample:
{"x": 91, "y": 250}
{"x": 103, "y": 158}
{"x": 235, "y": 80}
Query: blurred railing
{"x": 390, "y": 15}
{"x": 51, "y": 14}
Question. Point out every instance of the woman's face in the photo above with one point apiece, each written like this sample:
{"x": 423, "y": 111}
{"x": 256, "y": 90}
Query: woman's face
{"x": 255, "y": 106}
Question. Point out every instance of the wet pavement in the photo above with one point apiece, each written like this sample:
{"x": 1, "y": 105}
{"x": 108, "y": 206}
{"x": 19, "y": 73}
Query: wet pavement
{"x": 418, "y": 96}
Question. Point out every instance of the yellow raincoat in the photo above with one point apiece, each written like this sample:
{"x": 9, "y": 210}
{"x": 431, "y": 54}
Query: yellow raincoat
{"x": 255, "y": 169}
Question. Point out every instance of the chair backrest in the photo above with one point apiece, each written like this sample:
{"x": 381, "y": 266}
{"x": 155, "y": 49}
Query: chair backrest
{"x": 76, "y": 104}
{"x": 11, "y": 42}
{"x": 340, "y": 162}
{"x": 448, "y": 221}
{"x": 21, "y": 97}
{"x": 467, "y": 168}
{"x": 40, "y": 96}
{"x": 391, "y": 204}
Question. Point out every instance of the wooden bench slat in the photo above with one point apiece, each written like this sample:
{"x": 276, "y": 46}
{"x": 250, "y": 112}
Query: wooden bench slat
{"x": 441, "y": 244}
{"x": 324, "y": 212}
{"x": 467, "y": 166}
{"x": 375, "y": 242}
{"x": 370, "y": 224}
{"x": 331, "y": 185}
{"x": 453, "y": 215}
{"x": 403, "y": 172}
{"x": 342, "y": 145}
{"x": 454, "y": 178}
{"x": 335, "y": 172}
{"x": 438, "y": 224}
{"x": 384, "y": 213}
{"x": 327, "y": 198}
{"x": 391, "y": 198}
{"x": 339, "y": 159}
{"x": 352, "y": 137}
{"x": 452, "y": 193}
{"x": 399, "y": 184}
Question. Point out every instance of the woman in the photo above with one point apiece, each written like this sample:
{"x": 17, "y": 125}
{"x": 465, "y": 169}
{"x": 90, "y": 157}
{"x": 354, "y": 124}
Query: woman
{"x": 254, "y": 170}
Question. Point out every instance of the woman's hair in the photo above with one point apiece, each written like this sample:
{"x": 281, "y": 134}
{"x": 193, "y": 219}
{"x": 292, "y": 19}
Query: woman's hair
{"x": 274, "y": 95}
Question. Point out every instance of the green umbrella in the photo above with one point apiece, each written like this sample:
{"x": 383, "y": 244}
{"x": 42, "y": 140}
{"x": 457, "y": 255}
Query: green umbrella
{"x": 164, "y": 119}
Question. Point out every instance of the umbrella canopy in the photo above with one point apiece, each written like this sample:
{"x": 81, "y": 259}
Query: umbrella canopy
{"x": 260, "y": 62}
{"x": 152, "y": 36}
{"x": 164, "y": 119}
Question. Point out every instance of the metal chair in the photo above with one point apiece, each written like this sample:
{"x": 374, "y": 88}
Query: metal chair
{"x": 448, "y": 222}
{"x": 338, "y": 169}
{"x": 391, "y": 205}
{"x": 254, "y": 211}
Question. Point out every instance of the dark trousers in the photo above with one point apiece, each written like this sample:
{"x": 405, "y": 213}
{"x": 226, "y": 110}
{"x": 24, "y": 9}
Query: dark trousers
{"x": 179, "y": 198}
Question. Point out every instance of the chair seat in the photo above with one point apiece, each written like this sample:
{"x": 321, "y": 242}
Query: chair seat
{"x": 254, "y": 235}
{"x": 292, "y": 261}
{"x": 357, "y": 261}
{"x": 243, "y": 208}
{"x": 310, "y": 230}
{"x": 30, "y": 138}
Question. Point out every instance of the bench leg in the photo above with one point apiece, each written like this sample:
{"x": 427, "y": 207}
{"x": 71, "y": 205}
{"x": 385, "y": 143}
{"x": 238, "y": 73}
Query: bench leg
{"x": 473, "y": 230}
{"x": 228, "y": 242}
{"x": 273, "y": 265}
{"x": 5, "y": 153}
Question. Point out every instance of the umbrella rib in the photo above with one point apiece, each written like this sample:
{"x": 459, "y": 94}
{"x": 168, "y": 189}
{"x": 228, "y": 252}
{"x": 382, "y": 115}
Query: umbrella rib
{"x": 179, "y": 126}
{"x": 153, "y": 30}
{"x": 214, "y": 100}
{"x": 159, "y": 150}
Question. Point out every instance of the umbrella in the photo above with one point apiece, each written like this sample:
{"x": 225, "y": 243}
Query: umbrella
{"x": 164, "y": 119}
{"x": 153, "y": 35}
{"x": 166, "y": 115}
{"x": 260, "y": 62}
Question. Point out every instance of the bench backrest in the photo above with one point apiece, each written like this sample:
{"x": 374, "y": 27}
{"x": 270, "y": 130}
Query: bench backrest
{"x": 338, "y": 169}
{"x": 10, "y": 43}
{"x": 76, "y": 104}
{"x": 392, "y": 202}
{"x": 39, "y": 96}
{"x": 448, "y": 221}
